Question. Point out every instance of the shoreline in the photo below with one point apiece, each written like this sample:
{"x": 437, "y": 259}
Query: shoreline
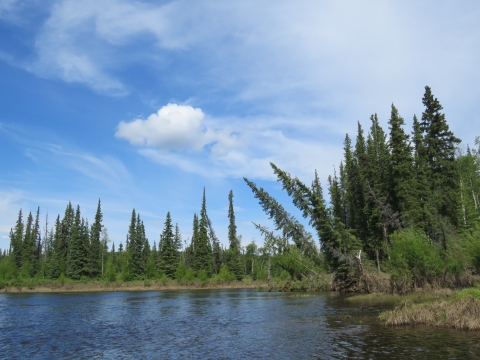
{"x": 140, "y": 285}
{"x": 458, "y": 309}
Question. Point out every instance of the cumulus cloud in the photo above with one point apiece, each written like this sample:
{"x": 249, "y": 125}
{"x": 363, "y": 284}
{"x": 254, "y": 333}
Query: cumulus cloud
{"x": 179, "y": 136}
{"x": 177, "y": 127}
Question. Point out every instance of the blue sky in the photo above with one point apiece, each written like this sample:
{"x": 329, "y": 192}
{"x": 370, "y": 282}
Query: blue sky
{"x": 144, "y": 103}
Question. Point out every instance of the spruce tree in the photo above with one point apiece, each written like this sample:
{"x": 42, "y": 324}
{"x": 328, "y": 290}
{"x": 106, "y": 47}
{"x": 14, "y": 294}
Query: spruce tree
{"x": 232, "y": 227}
{"x": 358, "y": 186}
{"x": 16, "y": 237}
{"x": 134, "y": 257}
{"x": 169, "y": 256}
{"x": 377, "y": 181}
{"x": 192, "y": 248}
{"x": 56, "y": 259}
{"x": 28, "y": 246}
{"x": 96, "y": 248}
{"x": 64, "y": 237}
{"x": 442, "y": 173}
{"x": 234, "y": 261}
{"x": 403, "y": 183}
{"x": 77, "y": 252}
{"x": 203, "y": 250}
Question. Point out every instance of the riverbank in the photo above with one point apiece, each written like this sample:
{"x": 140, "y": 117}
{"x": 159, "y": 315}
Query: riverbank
{"x": 140, "y": 285}
{"x": 443, "y": 308}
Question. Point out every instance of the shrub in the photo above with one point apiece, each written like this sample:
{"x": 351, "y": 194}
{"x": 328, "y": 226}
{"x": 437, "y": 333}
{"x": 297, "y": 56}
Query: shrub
{"x": 413, "y": 255}
{"x": 189, "y": 274}
{"x": 181, "y": 272}
{"x": 202, "y": 276}
{"x": 225, "y": 274}
{"x": 110, "y": 271}
{"x": 285, "y": 275}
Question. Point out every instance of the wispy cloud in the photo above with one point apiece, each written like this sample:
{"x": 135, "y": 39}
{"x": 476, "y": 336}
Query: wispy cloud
{"x": 105, "y": 169}
{"x": 178, "y": 136}
{"x": 288, "y": 71}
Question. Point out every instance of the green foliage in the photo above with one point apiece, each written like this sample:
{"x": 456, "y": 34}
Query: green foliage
{"x": 234, "y": 263}
{"x": 189, "y": 274}
{"x": 127, "y": 270}
{"x": 225, "y": 274}
{"x": 471, "y": 243}
{"x": 202, "y": 276}
{"x": 95, "y": 249}
{"x": 150, "y": 268}
{"x": 180, "y": 272}
{"x": 232, "y": 227}
{"x": 168, "y": 248}
{"x": 412, "y": 254}
{"x": 285, "y": 275}
{"x": 8, "y": 268}
{"x": 203, "y": 256}
{"x": 466, "y": 293}
{"x": 77, "y": 256}
{"x": 110, "y": 270}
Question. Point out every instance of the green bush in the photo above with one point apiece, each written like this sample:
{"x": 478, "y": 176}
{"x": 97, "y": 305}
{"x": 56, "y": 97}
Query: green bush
{"x": 202, "y": 276}
{"x": 225, "y": 274}
{"x": 471, "y": 243}
{"x": 181, "y": 272}
{"x": 285, "y": 275}
{"x": 110, "y": 271}
{"x": 189, "y": 274}
{"x": 8, "y": 269}
{"x": 413, "y": 255}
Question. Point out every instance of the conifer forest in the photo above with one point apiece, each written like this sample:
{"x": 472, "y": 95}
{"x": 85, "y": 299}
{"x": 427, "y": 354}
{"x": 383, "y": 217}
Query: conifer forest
{"x": 402, "y": 205}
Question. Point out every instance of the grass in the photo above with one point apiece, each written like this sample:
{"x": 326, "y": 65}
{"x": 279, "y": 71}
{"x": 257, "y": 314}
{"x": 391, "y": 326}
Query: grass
{"x": 67, "y": 285}
{"x": 416, "y": 297}
{"x": 460, "y": 310}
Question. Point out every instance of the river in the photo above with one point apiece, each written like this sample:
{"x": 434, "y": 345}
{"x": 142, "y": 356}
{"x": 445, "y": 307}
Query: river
{"x": 214, "y": 324}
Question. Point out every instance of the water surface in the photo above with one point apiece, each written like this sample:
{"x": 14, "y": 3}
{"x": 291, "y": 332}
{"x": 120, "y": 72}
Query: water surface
{"x": 216, "y": 324}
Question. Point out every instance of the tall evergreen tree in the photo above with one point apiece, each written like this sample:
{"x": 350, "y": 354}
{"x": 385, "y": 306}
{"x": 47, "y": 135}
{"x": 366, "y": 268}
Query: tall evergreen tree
{"x": 77, "y": 256}
{"x": 357, "y": 179}
{"x": 442, "y": 173}
{"x": 96, "y": 248}
{"x": 169, "y": 256}
{"x": 234, "y": 261}
{"x": 16, "y": 237}
{"x": 232, "y": 227}
{"x": 134, "y": 258}
{"x": 403, "y": 184}
{"x": 203, "y": 250}
{"x": 377, "y": 181}
{"x": 57, "y": 262}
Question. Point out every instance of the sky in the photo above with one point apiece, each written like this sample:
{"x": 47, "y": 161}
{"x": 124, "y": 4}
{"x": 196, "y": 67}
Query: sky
{"x": 143, "y": 104}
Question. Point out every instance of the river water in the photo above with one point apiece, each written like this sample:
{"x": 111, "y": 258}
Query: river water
{"x": 214, "y": 324}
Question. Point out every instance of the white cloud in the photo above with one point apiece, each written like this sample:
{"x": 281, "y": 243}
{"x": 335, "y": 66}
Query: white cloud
{"x": 178, "y": 136}
{"x": 176, "y": 127}
{"x": 341, "y": 61}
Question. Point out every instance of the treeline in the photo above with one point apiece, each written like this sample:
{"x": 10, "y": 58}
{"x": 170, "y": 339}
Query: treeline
{"x": 75, "y": 250}
{"x": 407, "y": 203}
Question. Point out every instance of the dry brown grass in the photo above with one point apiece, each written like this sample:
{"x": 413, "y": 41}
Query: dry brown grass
{"x": 460, "y": 311}
{"x": 130, "y": 286}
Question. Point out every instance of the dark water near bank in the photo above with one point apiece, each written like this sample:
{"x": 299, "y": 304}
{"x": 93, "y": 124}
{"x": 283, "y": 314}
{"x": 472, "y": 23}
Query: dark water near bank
{"x": 216, "y": 324}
